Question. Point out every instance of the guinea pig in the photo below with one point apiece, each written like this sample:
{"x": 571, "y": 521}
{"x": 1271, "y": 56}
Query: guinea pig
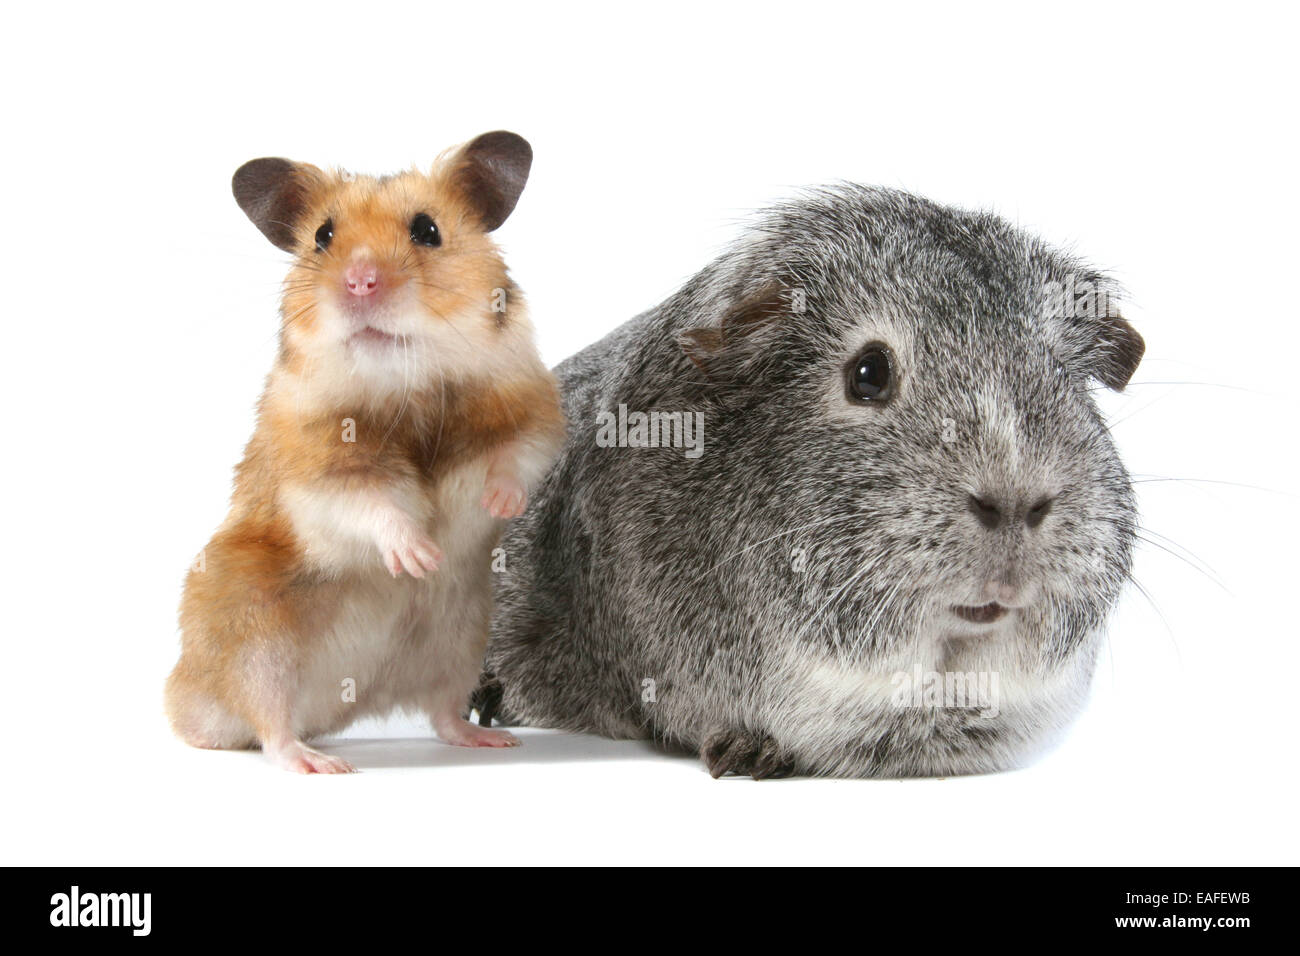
{"x": 406, "y": 416}
{"x": 889, "y": 543}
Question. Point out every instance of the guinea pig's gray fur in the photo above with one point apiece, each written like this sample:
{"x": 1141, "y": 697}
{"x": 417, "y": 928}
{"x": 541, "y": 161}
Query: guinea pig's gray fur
{"x": 760, "y": 603}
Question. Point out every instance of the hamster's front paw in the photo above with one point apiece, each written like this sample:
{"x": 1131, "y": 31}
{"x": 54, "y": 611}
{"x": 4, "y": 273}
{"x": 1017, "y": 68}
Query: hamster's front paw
{"x": 504, "y": 495}
{"x": 412, "y": 551}
{"x": 745, "y": 753}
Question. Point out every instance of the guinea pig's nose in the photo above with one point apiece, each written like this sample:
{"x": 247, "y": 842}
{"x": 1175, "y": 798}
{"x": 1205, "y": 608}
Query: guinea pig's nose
{"x": 991, "y": 510}
{"x": 1003, "y": 590}
{"x": 361, "y": 278}
{"x": 1038, "y": 510}
{"x": 985, "y": 509}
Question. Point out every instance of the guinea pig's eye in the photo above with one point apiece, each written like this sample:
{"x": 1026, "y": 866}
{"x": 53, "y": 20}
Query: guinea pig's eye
{"x": 424, "y": 231}
{"x": 324, "y": 234}
{"x": 871, "y": 375}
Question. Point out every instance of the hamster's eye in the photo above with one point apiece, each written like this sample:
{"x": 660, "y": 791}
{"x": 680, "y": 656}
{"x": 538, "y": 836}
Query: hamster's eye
{"x": 424, "y": 231}
{"x": 324, "y": 234}
{"x": 871, "y": 375}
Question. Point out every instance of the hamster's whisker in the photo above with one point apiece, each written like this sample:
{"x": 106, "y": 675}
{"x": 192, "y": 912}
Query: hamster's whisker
{"x": 406, "y": 392}
{"x": 442, "y": 407}
{"x": 306, "y": 376}
{"x": 451, "y": 325}
{"x": 298, "y": 313}
{"x": 438, "y": 288}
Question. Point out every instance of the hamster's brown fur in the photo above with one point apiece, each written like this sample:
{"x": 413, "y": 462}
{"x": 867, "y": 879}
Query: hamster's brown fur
{"x": 391, "y": 431}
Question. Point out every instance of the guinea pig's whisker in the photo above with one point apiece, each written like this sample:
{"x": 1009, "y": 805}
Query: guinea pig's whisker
{"x": 849, "y": 581}
{"x": 1159, "y": 613}
{"x": 1112, "y": 424}
{"x": 762, "y": 541}
{"x": 887, "y": 604}
{"x": 1183, "y": 553}
{"x": 1191, "y": 564}
{"x": 1156, "y": 479}
{"x": 1235, "y": 388}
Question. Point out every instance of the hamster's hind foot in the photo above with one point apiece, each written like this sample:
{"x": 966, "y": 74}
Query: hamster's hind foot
{"x": 504, "y": 496}
{"x": 412, "y": 552}
{"x": 297, "y": 757}
{"x": 461, "y": 733}
{"x": 746, "y": 754}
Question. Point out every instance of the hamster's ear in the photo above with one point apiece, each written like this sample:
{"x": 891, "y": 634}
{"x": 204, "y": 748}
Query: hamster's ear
{"x": 725, "y": 350}
{"x": 274, "y": 193}
{"x": 490, "y": 172}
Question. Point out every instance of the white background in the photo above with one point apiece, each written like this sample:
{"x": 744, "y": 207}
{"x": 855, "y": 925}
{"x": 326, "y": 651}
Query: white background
{"x": 140, "y": 319}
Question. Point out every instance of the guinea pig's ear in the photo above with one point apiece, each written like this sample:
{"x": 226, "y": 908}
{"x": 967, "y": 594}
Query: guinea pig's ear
{"x": 1117, "y": 351}
{"x": 274, "y": 193}
{"x": 1104, "y": 347}
{"x": 725, "y": 350}
{"x": 490, "y": 172}
{"x": 1089, "y": 333}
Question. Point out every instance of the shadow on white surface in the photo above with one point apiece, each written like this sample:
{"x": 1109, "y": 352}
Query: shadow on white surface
{"x": 536, "y": 747}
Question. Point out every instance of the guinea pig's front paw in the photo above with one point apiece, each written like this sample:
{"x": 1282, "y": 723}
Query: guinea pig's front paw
{"x": 504, "y": 496}
{"x": 745, "y": 753}
{"x": 412, "y": 551}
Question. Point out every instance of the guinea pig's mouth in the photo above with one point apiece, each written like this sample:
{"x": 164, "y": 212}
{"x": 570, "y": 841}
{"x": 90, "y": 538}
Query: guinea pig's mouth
{"x": 984, "y": 614}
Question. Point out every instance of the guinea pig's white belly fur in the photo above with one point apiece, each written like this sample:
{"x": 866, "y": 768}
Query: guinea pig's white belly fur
{"x": 831, "y": 705}
{"x": 393, "y": 642}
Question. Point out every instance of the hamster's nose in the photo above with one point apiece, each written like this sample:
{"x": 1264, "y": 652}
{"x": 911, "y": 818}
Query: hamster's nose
{"x": 362, "y": 278}
{"x": 992, "y": 510}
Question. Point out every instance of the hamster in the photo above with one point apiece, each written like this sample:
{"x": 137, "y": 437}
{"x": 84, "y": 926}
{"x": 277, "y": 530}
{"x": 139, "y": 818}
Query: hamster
{"x": 899, "y": 476}
{"x": 405, "y": 418}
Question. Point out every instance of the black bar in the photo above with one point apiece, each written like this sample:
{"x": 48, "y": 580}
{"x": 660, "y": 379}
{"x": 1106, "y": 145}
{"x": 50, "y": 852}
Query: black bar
{"x": 323, "y": 906}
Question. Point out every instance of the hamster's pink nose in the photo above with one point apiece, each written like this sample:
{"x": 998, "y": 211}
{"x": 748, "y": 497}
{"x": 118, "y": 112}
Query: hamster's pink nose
{"x": 361, "y": 278}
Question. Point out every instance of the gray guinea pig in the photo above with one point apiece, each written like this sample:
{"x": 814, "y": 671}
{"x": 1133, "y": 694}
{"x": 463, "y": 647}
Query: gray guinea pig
{"x": 888, "y": 536}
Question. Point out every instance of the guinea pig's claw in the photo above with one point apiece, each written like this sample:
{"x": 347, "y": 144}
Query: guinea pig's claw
{"x": 745, "y": 753}
{"x": 487, "y": 698}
